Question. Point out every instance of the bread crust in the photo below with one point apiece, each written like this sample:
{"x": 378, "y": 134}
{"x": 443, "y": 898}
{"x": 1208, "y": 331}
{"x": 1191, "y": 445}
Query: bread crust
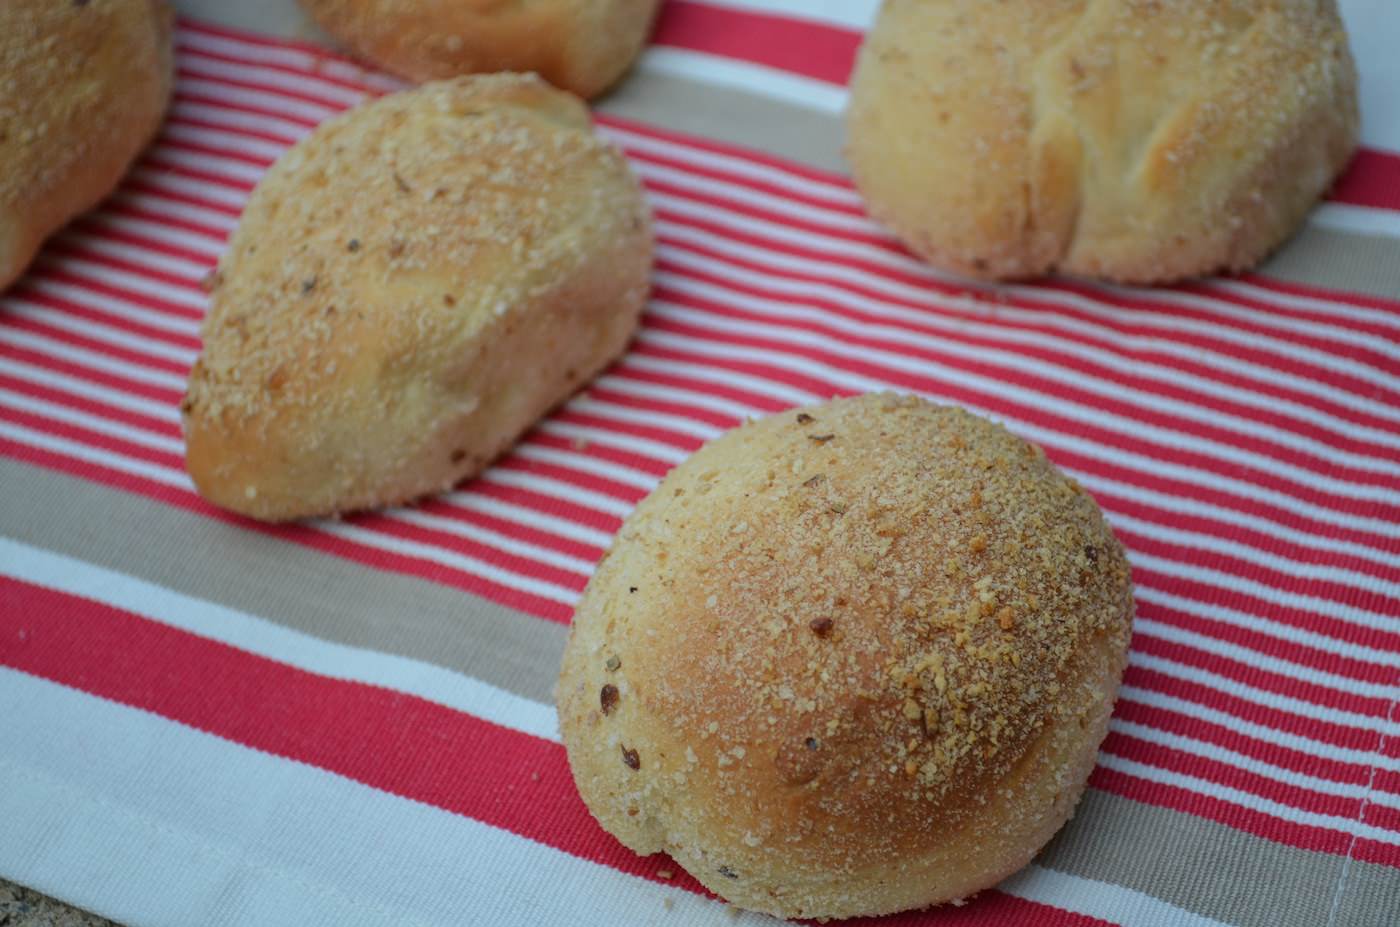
{"x": 83, "y": 88}
{"x": 410, "y": 288}
{"x": 583, "y": 46}
{"x": 850, "y": 659}
{"x": 1131, "y": 140}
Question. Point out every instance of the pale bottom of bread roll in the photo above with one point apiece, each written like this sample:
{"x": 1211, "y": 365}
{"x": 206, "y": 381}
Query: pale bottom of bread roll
{"x": 1006, "y": 827}
{"x": 445, "y": 426}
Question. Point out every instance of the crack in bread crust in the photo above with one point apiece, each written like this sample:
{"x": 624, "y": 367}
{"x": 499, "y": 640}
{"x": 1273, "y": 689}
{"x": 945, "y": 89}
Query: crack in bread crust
{"x": 1136, "y": 140}
{"x": 583, "y": 46}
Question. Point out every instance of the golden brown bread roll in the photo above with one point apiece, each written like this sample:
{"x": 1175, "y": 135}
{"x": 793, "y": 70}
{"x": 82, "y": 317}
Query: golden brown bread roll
{"x": 583, "y": 46}
{"x": 83, "y": 87}
{"x": 410, "y": 288}
{"x": 849, "y": 659}
{"x": 1133, "y": 140}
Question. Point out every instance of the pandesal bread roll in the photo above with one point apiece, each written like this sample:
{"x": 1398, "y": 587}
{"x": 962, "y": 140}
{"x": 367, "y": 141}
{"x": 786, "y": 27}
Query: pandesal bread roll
{"x": 83, "y": 87}
{"x": 850, "y": 659}
{"x": 409, "y": 289}
{"x": 583, "y": 46}
{"x": 1131, "y": 140}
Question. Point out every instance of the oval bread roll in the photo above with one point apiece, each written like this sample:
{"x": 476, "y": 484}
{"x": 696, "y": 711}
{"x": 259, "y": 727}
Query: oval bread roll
{"x": 83, "y": 87}
{"x": 583, "y": 46}
{"x": 410, "y": 288}
{"x": 1123, "y": 139}
{"x": 848, "y": 660}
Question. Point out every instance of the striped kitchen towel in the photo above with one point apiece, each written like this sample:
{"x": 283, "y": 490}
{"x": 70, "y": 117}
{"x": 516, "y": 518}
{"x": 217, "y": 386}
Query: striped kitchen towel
{"x": 207, "y": 721}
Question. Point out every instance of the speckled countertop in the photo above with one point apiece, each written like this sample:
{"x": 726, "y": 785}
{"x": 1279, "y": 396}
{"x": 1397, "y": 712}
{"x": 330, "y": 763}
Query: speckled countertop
{"x": 23, "y": 907}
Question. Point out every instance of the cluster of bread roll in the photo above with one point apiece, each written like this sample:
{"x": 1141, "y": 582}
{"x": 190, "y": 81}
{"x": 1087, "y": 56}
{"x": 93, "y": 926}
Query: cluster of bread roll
{"x": 850, "y": 659}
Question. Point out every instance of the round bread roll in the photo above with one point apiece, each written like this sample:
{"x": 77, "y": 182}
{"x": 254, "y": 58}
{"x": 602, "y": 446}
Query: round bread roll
{"x": 583, "y": 46}
{"x": 83, "y": 86}
{"x": 1131, "y": 140}
{"x": 848, "y": 660}
{"x": 410, "y": 288}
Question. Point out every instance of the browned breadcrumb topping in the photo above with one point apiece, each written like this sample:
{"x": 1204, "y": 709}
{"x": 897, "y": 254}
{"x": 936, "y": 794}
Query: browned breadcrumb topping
{"x": 422, "y": 194}
{"x": 82, "y": 90}
{"x": 884, "y": 648}
{"x": 376, "y": 263}
{"x": 53, "y": 112}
